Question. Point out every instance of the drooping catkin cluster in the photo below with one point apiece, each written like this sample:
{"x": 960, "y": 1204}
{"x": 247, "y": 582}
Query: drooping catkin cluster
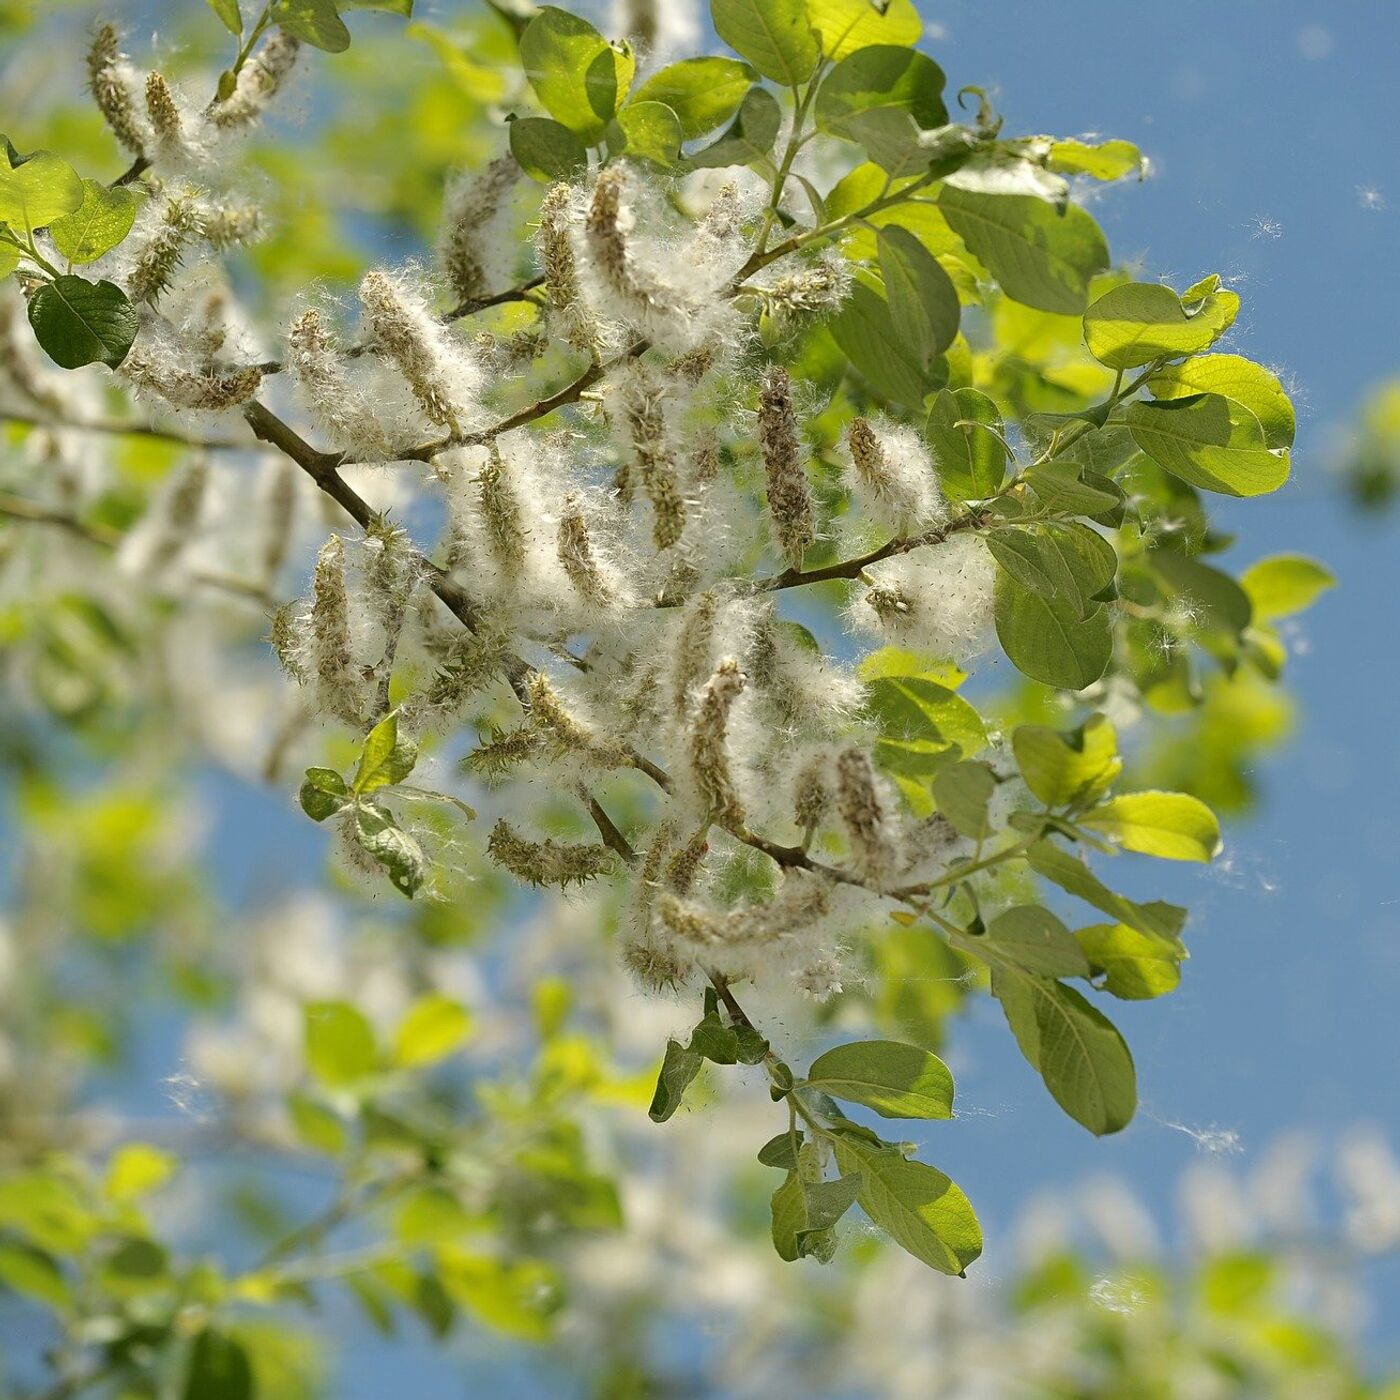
{"x": 607, "y": 560}
{"x": 709, "y": 745}
{"x": 892, "y": 477}
{"x": 645, "y": 408}
{"x": 868, "y": 814}
{"x": 547, "y": 862}
{"x": 789, "y": 497}
{"x": 262, "y": 78}
{"x": 318, "y": 368}
{"x": 560, "y": 269}
{"x": 438, "y": 370}
{"x": 158, "y": 246}
{"x": 475, "y": 246}
{"x": 112, "y": 81}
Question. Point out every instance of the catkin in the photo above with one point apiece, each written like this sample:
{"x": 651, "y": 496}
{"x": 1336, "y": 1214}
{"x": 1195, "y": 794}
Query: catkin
{"x": 338, "y": 684}
{"x": 709, "y": 748}
{"x": 109, "y": 81}
{"x": 789, "y": 499}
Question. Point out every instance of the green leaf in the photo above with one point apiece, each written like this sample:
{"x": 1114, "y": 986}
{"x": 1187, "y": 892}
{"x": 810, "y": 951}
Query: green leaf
{"x": 1047, "y": 639}
{"x": 844, "y": 26}
{"x": 778, "y": 1151}
{"x": 866, "y": 333}
{"x": 136, "y": 1169}
{"x": 922, "y": 299}
{"x": 1135, "y": 967}
{"x": 434, "y": 1027}
{"x": 1210, "y": 442}
{"x": 679, "y": 1066}
{"x": 750, "y": 137}
{"x": 547, "y": 150}
{"x": 774, "y": 35}
{"x": 962, "y": 792}
{"x": 1156, "y": 920}
{"x": 385, "y": 758}
{"x": 98, "y": 224}
{"x": 964, "y": 433}
{"x": 1171, "y": 825}
{"x": 1035, "y": 940}
{"x": 1061, "y": 487}
{"x": 315, "y": 22}
{"x": 1078, "y": 1051}
{"x": 1071, "y": 768}
{"x": 1106, "y": 160}
{"x": 9, "y": 259}
{"x": 1216, "y": 602}
{"x": 896, "y": 1080}
{"x": 28, "y": 1270}
{"x": 917, "y": 1206}
{"x": 1057, "y": 559}
{"x": 579, "y": 77}
{"x": 32, "y": 195}
{"x": 1041, "y": 257}
{"x": 652, "y": 131}
{"x": 399, "y": 854}
{"x": 340, "y": 1046}
{"x": 229, "y": 16}
{"x": 323, "y": 793}
{"x": 218, "y": 1369}
{"x": 918, "y": 707}
{"x": 702, "y": 92}
{"x": 316, "y": 1125}
{"x": 1285, "y": 584}
{"x": 1236, "y": 378}
{"x": 82, "y": 323}
{"x": 1138, "y": 322}
{"x": 714, "y": 1041}
{"x": 883, "y": 77}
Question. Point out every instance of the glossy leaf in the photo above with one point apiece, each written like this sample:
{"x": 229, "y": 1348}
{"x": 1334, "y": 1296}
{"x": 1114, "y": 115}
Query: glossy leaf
{"x": 845, "y": 26}
{"x": 776, "y": 36}
{"x": 385, "y": 758}
{"x": 1032, "y": 938}
{"x": 1134, "y": 966}
{"x": 964, "y": 431}
{"x": 1210, "y": 442}
{"x": 399, "y": 854}
{"x": 652, "y": 132}
{"x": 1236, "y": 378}
{"x": 315, "y": 22}
{"x": 1080, "y": 1054}
{"x": 750, "y": 137}
{"x": 82, "y": 323}
{"x": 920, "y": 1209}
{"x": 98, "y": 224}
{"x": 702, "y": 92}
{"x": 1065, "y": 769}
{"x": 1138, "y": 322}
{"x": 32, "y": 195}
{"x": 547, "y": 150}
{"x": 1047, "y": 639}
{"x": 1041, "y": 256}
{"x": 923, "y": 301}
{"x": 896, "y": 1080}
{"x": 579, "y": 78}
{"x": 1171, "y": 825}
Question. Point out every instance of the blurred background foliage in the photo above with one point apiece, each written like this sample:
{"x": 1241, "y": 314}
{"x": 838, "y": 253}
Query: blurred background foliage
{"x": 403, "y": 1148}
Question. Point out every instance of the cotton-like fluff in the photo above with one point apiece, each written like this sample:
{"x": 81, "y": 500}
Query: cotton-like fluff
{"x": 115, "y": 87}
{"x": 797, "y": 290}
{"x": 890, "y": 475}
{"x": 437, "y": 367}
{"x": 870, "y": 813}
{"x": 657, "y": 28}
{"x": 936, "y": 599}
{"x": 639, "y": 281}
{"x": 333, "y": 389}
{"x": 262, "y": 78}
{"x": 476, "y": 244}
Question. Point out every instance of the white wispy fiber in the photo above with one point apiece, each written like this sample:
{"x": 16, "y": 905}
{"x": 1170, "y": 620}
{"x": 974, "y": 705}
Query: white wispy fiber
{"x": 936, "y": 599}
{"x": 888, "y": 472}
